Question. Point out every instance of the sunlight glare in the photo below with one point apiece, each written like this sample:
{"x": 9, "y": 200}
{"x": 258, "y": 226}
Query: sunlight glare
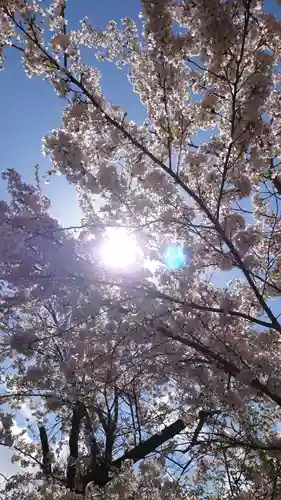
{"x": 120, "y": 249}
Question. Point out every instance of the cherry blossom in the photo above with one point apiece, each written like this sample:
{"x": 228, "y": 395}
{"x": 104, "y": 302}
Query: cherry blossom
{"x": 163, "y": 352}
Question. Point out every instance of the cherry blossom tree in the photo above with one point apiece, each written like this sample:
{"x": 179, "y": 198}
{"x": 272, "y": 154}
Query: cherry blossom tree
{"x": 172, "y": 365}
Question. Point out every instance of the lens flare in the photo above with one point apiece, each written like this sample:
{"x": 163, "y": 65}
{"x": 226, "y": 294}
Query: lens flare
{"x": 175, "y": 257}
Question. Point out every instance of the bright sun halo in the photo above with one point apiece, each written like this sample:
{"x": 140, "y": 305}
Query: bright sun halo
{"x": 120, "y": 249}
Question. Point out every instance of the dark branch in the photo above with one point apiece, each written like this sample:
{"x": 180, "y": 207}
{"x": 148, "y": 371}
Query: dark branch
{"x": 150, "y": 445}
{"x": 111, "y": 429}
{"x": 73, "y": 445}
{"x": 277, "y": 183}
{"x": 45, "y": 450}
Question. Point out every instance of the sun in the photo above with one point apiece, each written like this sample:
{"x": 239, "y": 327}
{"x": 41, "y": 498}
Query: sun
{"x": 119, "y": 249}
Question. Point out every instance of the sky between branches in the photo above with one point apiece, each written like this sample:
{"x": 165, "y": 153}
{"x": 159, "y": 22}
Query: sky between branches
{"x": 30, "y": 108}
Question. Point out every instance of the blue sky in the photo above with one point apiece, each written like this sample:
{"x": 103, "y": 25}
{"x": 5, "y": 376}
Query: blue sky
{"x": 30, "y": 108}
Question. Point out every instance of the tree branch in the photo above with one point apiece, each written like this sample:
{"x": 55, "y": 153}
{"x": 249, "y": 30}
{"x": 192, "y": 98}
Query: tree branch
{"x": 150, "y": 445}
{"x": 45, "y": 450}
{"x": 73, "y": 445}
{"x": 226, "y": 366}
